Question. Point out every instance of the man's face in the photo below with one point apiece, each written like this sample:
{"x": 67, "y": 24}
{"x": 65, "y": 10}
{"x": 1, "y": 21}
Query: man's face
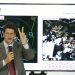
{"x": 9, "y": 35}
{"x": 53, "y": 29}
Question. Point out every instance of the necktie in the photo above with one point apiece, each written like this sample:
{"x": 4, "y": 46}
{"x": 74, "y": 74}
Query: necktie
{"x": 11, "y": 64}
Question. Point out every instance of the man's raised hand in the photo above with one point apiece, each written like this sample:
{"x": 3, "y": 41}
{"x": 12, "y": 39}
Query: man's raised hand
{"x": 22, "y": 35}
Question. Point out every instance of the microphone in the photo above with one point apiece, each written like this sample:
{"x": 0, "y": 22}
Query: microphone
{"x": 9, "y": 48}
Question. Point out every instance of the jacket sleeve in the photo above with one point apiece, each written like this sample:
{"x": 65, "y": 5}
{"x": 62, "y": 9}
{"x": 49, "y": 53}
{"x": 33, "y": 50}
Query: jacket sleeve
{"x": 28, "y": 54}
{"x": 1, "y": 64}
{"x": 2, "y": 56}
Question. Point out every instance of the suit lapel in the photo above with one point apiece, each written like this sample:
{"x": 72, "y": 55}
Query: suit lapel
{"x": 15, "y": 47}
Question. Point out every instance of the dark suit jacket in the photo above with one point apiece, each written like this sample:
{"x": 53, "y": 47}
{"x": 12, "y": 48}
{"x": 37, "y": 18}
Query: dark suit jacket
{"x": 49, "y": 37}
{"x": 19, "y": 52}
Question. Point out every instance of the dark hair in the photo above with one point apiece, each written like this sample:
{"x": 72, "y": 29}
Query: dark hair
{"x": 10, "y": 25}
{"x": 52, "y": 27}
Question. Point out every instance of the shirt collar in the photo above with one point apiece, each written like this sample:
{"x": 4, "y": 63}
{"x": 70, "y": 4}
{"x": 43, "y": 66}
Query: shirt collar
{"x": 6, "y": 45}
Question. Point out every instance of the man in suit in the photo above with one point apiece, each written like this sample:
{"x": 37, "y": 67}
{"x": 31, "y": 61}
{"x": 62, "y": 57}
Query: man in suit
{"x": 52, "y": 34}
{"x": 20, "y": 49}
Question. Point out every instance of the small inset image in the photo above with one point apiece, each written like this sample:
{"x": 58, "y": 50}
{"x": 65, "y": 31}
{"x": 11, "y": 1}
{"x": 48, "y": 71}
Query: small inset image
{"x": 58, "y": 40}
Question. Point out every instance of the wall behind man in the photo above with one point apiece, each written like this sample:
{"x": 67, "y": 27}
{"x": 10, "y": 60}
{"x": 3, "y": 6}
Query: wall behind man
{"x": 60, "y": 73}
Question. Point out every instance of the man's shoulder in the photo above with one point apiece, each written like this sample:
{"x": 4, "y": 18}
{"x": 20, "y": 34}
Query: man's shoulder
{"x": 1, "y": 44}
{"x": 17, "y": 43}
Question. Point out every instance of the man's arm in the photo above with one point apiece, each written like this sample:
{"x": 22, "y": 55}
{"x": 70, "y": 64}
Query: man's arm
{"x": 1, "y": 64}
{"x": 27, "y": 52}
{"x": 9, "y": 57}
{"x": 1, "y": 60}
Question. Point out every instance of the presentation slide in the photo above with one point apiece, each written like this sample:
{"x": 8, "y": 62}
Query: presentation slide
{"x": 50, "y": 32}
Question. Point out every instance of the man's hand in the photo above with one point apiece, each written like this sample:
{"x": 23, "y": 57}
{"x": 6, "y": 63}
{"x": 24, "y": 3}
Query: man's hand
{"x": 9, "y": 58}
{"x": 22, "y": 35}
